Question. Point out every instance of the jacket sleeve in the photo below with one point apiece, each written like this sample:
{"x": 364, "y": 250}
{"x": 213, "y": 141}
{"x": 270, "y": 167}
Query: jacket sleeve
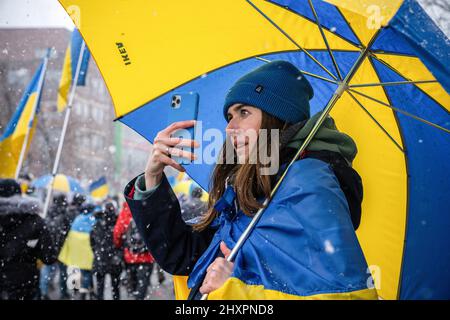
{"x": 173, "y": 244}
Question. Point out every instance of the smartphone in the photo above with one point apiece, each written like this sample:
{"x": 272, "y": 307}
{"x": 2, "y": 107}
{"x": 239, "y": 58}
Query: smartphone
{"x": 183, "y": 106}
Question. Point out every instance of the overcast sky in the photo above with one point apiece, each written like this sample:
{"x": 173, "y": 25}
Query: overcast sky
{"x": 33, "y": 13}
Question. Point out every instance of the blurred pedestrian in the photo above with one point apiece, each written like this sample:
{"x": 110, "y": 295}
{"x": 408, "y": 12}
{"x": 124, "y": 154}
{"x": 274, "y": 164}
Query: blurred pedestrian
{"x": 58, "y": 223}
{"x": 107, "y": 258}
{"x": 138, "y": 260}
{"x": 77, "y": 251}
{"x": 24, "y": 238}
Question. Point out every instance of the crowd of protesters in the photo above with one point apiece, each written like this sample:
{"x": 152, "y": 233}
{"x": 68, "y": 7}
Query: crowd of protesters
{"x": 68, "y": 253}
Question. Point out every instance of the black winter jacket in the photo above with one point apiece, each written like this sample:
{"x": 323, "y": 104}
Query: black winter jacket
{"x": 107, "y": 258}
{"x": 24, "y": 238}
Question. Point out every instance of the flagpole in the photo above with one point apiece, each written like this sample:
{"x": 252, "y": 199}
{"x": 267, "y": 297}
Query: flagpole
{"x": 64, "y": 130}
{"x": 32, "y": 115}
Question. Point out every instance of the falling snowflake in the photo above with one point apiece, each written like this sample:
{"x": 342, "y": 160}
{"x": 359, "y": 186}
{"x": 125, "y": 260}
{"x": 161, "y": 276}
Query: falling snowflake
{"x": 329, "y": 248}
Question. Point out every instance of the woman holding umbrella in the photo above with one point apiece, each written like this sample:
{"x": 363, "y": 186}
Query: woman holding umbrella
{"x": 304, "y": 245}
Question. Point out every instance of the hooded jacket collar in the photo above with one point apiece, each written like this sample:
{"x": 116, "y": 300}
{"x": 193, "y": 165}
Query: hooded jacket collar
{"x": 327, "y": 138}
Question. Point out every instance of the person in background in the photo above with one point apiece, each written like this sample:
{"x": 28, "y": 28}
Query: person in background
{"x": 24, "y": 238}
{"x": 107, "y": 258}
{"x": 77, "y": 250}
{"x": 62, "y": 225}
{"x": 58, "y": 224}
{"x": 138, "y": 260}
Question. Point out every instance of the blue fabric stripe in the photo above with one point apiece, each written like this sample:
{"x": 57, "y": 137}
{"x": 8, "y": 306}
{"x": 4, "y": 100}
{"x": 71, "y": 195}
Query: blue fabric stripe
{"x": 75, "y": 186}
{"x": 426, "y": 259}
{"x": 97, "y": 184}
{"x": 329, "y": 16}
{"x": 411, "y": 31}
{"x": 31, "y": 88}
{"x": 43, "y": 181}
{"x": 83, "y": 223}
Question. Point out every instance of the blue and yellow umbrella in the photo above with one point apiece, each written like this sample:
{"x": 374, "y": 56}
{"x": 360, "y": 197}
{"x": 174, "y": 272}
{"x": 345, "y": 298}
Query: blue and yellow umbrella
{"x": 186, "y": 187}
{"x": 62, "y": 183}
{"x": 380, "y": 66}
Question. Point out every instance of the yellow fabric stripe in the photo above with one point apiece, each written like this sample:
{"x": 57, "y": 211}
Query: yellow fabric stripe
{"x": 182, "y": 187}
{"x": 77, "y": 251}
{"x": 11, "y": 147}
{"x": 383, "y": 10}
{"x": 61, "y": 183}
{"x": 143, "y": 49}
{"x": 65, "y": 82}
{"x": 100, "y": 192}
{"x": 304, "y": 32}
{"x": 413, "y": 69}
{"x": 361, "y": 26}
{"x": 382, "y": 168}
{"x": 235, "y": 289}
{"x": 366, "y": 17}
{"x": 180, "y": 287}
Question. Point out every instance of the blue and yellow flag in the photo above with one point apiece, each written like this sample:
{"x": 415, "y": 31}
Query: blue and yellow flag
{"x": 77, "y": 250}
{"x": 99, "y": 189}
{"x": 70, "y": 67}
{"x": 23, "y": 120}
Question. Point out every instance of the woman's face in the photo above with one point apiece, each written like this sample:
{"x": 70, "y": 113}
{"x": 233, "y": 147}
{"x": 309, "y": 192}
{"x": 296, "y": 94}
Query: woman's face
{"x": 243, "y": 127}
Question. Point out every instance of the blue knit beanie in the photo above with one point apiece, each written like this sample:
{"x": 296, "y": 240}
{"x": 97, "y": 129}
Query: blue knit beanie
{"x": 278, "y": 88}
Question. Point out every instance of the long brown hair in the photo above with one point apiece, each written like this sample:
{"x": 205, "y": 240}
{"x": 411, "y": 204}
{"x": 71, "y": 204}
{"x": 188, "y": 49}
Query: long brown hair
{"x": 247, "y": 181}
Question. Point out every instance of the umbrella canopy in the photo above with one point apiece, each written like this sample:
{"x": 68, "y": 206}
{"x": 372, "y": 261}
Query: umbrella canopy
{"x": 62, "y": 183}
{"x": 388, "y": 60}
{"x": 186, "y": 187}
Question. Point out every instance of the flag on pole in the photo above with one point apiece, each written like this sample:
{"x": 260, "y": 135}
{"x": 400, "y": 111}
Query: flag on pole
{"x": 23, "y": 120}
{"x": 70, "y": 66}
{"x": 99, "y": 189}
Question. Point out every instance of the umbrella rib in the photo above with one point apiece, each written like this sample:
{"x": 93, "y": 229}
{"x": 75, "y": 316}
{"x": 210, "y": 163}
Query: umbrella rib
{"x": 325, "y": 39}
{"x": 392, "y": 83}
{"x": 304, "y": 72}
{"x": 292, "y": 40}
{"x": 401, "y": 111}
{"x": 417, "y": 87}
{"x": 376, "y": 122}
{"x": 356, "y": 44}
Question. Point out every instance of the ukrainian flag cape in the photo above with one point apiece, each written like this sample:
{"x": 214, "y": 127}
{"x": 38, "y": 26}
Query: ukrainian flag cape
{"x": 77, "y": 249}
{"x": 304, "y": 246}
